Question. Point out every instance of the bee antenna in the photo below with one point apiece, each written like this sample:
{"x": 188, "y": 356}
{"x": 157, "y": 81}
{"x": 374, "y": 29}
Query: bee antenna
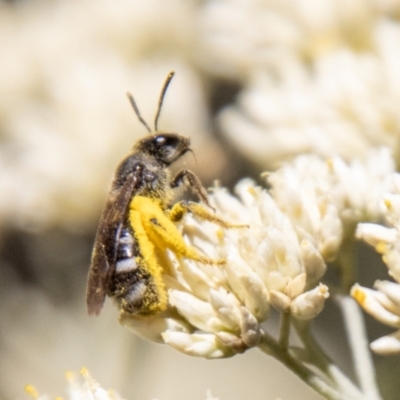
{"x": 161, "y": 99}
{"x": 137, "y": 112}
{"x": 194, "y": 155}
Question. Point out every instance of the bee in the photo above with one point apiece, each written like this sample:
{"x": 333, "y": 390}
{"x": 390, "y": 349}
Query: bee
{"x": 139, "y": 221}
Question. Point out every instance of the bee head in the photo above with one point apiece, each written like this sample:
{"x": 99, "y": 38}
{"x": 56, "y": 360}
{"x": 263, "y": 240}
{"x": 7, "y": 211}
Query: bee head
{"x": 166, "y": 148}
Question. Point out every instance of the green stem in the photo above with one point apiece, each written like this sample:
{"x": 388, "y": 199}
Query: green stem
{"x": 270, "y": 346}
{"x": 284, "y": 330}
{"x": 358, "y": 343}
{"x": 317, "y": 357}
{"x": 346, "y": 264}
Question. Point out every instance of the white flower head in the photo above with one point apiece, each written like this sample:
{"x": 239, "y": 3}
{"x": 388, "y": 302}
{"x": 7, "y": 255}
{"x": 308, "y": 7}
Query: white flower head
{"x": 216, "y": 311}
{"x": 303, "y": 191}
{"x": 315, "y": 79}
{"x": 383, "y": 303}
{"x": 88, "y": 389}
{"x": 360, "y": 185}
{"x": 326, "y": 199}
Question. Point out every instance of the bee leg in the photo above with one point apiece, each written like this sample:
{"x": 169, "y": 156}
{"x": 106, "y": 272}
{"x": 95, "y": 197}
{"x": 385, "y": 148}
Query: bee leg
{"x": 148, "y": 255}
{"x": 189, "y": 179}
{"x": 179, "y": 209}
{"x": 161, "y": 231}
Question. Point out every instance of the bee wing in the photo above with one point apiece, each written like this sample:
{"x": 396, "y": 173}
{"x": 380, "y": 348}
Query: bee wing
{"x": 106, "y": 243}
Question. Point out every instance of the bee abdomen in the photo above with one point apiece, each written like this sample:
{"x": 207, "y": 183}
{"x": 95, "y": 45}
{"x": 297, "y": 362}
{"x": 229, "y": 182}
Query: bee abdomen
{"x": 126, "y": 245}
{"x": 132, "y": 285}
{"x": 126, "y": 265}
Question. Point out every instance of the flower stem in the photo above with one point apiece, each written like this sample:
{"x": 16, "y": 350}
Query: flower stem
{"x": 270, "y": 346}
{"x": 346, "y": 263}
{"x": 284, "y": 330}
{"x": 317, "y": 357}
{"x": 358, "y": 342}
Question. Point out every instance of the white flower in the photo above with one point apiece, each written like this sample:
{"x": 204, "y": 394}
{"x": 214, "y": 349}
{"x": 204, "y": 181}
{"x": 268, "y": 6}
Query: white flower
{"x": 277, "y": 260}
{"x": 89, "y": 389}
{"x": 200, "y": 345}
{"x": 360, "y": 185}
{"x": 383, "y": 303}
{"x": 216, "y": 311}
{"x": 325, "y": 200}
{"x": 317, "y": 78}
{"x": 308, "y": 305}
{"x": 303, "y": 190}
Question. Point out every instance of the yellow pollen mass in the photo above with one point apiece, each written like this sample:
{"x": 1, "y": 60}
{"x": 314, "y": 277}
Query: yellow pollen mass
{"x": 154, "y": 229}
{"x": 381, "y": 247}
{"x": 359, "y": 296}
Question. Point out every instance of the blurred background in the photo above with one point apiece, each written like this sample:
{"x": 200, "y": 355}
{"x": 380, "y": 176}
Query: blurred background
{"x": 257, "y": 83}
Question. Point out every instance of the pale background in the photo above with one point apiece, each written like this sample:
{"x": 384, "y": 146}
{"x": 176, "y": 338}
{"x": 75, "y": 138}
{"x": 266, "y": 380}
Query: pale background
{"x": 256, "y": 83}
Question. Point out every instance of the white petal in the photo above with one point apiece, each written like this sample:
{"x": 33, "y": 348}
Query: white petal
{"x": 387, "y": 345}
{"x": 296, "y": 286}
{"x": 279, "y": 300}
{"x": 371, "y": 301}
{"x": 245, "y": 190}
{"x": 199, "y": 345}
{"x": 373, "y": 234}
{"x": 331, "y": 233}
{"x": 195, "y": 278}
{"x": 392, "y": 260}
{"x": 152, "y": 328}
{"x": 276, "y": 281}
{"x": 309, "y": 304}
{"x": 229, "y": 206}
{"x": 250, "y": 329}
{"x": 391, "y": 202}
{"x": 314, "y": 264}
{"x": 92, "y": 390}
{"x": 249, "y": 288}
{"x": 226, "y": 307}
{"x": 199, "y": 313}
{"x": 391, "y": 289}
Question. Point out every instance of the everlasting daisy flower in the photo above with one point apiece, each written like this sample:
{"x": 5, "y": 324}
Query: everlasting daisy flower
{"x": 383, "y": 303}
{"x": 277, "y": 260}
{"x": 303, "y": 191}
{"x": 89, "y": 389}
{"x": 217, "y": 311}
{"x": 318, "y": 79}
{"x": 326, "y": 199}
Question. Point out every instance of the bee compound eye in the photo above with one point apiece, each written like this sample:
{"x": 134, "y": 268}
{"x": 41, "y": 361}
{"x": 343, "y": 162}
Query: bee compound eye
{"x": 161, "y": 140}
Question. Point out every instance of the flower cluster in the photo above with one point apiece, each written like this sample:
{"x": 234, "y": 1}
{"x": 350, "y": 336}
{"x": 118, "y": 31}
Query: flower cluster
{"x": 277, "y": 260}
{"x": 320, "y": 79}
{"x": 383, "y": 302}
{"x": 325, "y": 200}
{"x": 89, "y": 389}
{"x": 217, "y": 311}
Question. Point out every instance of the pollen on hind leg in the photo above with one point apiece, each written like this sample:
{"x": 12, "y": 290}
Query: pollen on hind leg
{"x": 195, "y": 256}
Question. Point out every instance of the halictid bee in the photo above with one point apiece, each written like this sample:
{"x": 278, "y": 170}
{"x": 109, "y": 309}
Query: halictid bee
{"x": 138, "y": 222}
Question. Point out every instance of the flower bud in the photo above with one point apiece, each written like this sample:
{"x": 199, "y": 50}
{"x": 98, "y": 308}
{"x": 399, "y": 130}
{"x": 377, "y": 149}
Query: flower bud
{"x": 309, "y": 304}
{"x": 376, "y": 304}
{"x": 387, "y": 345}
{"x": 197, "y": 344}
{"x": 279, "y": 300}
